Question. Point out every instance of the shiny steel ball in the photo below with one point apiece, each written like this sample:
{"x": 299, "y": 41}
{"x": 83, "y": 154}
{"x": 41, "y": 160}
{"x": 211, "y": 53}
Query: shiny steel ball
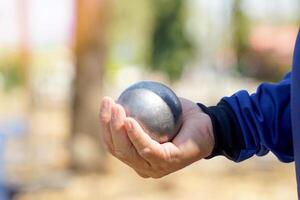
{"x": 156, "y": 107}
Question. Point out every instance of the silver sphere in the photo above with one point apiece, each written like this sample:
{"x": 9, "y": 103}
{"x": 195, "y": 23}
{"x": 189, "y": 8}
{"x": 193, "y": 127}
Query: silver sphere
{"x": 156, "y": 107}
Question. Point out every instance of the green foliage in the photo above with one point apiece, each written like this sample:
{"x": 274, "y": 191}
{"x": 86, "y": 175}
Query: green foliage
{"x": 127, "y": 34}
{"x": 241, "y": 29}
{"x": 10, "y": 74}
{"x": 170, "y": 47}
{"x": 240, "y": 42}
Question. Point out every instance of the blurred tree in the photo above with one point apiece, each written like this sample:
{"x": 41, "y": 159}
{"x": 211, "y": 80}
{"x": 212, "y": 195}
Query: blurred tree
{"x": 87, "y": 152}
{"x": 11, "y": 72}
{"x": 171, "y": 48}
{"x": 23, "y": 8}
{"x": 14, "y": 67}
{"x": 241, "y": 31}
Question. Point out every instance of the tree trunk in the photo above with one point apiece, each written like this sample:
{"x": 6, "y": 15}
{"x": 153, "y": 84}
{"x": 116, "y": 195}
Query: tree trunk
{"x": 87, "y": 153}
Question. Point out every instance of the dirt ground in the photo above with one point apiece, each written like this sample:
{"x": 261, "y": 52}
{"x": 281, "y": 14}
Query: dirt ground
{"x": 256, "y": 179}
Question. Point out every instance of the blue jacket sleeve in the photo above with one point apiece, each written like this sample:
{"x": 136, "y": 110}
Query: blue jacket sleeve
{"x": 264, "y": 120}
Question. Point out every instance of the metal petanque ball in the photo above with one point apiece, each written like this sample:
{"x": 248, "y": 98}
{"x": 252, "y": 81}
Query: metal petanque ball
{"x": 156, "y": 107}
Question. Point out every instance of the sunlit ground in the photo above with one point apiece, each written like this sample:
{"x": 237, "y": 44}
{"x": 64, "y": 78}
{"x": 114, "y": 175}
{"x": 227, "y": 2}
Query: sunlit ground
{"x": 215, "y": 179}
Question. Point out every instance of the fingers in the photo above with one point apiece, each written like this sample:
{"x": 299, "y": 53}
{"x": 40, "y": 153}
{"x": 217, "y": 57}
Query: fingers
{"x": 148, "y": 148}
{"x": 105, "y": 109}
{"x": 120, "y": 139}
{"x": 116, "y": 140}
{"x": 105, "y": 118}
{"x": 127, "y": 141}
{"x": 138, "y": 137}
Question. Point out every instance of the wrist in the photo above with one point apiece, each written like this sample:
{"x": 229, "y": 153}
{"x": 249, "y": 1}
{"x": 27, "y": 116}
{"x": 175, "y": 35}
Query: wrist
{"x": 228, "y": 139}
{"x": 208, "y": 129}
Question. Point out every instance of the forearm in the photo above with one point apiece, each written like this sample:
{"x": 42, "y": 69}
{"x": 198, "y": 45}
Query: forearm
{"x": 245, "y": 124}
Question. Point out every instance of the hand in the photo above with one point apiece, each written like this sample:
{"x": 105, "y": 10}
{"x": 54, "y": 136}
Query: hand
{"x": 125, "y": 139}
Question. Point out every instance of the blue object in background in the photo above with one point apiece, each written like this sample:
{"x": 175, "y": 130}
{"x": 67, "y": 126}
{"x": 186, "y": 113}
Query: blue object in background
{"x": 8, "y": 128}
{"x": 3, "y": 187}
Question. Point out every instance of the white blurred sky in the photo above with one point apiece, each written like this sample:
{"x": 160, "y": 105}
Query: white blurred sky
{"x": 51, "y": 22}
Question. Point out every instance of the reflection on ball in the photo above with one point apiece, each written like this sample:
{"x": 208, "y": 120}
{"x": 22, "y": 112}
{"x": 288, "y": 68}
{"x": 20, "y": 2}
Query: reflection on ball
{"x": 156, "y": 107}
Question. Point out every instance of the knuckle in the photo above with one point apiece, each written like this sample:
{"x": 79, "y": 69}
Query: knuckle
{"x": 116, "y": 125}
{"x": 105, "y": 120}
{"x": 161, "y": 169}
{"x": 156, "y": 173}
{"x": 104, "y": 117}
{"x": 146, "y": 152}
{"x": 143, "y": 175}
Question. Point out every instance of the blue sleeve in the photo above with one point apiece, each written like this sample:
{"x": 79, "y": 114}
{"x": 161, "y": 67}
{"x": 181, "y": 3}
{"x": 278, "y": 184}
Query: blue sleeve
{"x": 265, "y": 121}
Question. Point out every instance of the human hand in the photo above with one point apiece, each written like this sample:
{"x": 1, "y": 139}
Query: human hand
{"x": 125, "y": 139}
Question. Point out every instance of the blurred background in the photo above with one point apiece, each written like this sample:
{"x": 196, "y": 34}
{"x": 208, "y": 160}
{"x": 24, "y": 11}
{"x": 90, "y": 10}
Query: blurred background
{"x": 59, "y": 58}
